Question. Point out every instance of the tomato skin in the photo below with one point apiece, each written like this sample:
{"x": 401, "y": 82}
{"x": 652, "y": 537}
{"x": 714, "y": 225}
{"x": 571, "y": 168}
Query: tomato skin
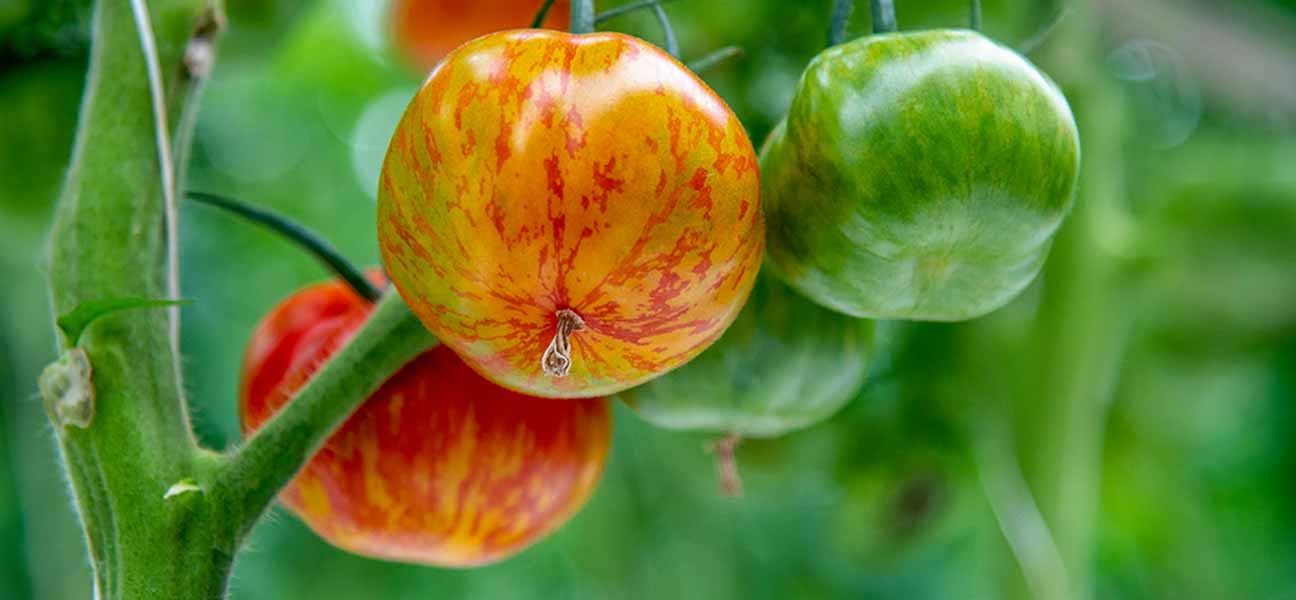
{"x": 537, "y": 171}
{"x": 439, "y": 466}
{"x": 427, "y": 30}
{"x": 785, "y": 364}
{"x": 918, "y": 176}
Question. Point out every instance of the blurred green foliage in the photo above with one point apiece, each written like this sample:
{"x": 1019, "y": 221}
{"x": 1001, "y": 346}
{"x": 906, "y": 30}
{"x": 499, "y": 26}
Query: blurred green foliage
{"x": 893, "y": 498}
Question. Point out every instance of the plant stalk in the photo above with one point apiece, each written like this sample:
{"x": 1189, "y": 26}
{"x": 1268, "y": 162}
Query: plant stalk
{"x": 841, "y": 13}
{"x": 541, "y": 14}
{"x": 1083, "y": 323}
{"x": 304, "y": 238}
{"x": 112, "y": 238}
{"x": 582, "y": 16}
{"x": 249, "y": 481}
{"x": 883, "y": 13}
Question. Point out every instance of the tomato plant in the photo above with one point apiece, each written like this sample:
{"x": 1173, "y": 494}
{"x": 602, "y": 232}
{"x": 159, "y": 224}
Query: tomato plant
{"x": 572, "y": 214}
{"x": 426, "y": 30}
{"x": 918, "y": 176}
{"x": 569, "y": 215}
{"x": 439, "y": 466}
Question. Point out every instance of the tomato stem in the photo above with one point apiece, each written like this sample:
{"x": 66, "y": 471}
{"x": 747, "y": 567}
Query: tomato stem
{"x": 884, "y": 19}
{"x": 582, "y": 16}
{"x": 630, "y": 7}
{"x": 672, "y": 44}
{"x": 244, "y": 484}
{"x": 541, "y": 14}
{"x": 715, "y": 58}
{"x": 1033, "y": 42}
{"x": 837, "y": 25}
{"x": 556, "y": 360}
{"x": 726, "y": 462}
{"x": 304, "y": 238}
{"x": 975, "y": 19}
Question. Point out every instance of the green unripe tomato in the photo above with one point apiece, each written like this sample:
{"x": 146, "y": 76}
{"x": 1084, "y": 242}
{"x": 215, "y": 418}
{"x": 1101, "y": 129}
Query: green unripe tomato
{"x": 786, "y": 363}
{"x": 918, "y": 176}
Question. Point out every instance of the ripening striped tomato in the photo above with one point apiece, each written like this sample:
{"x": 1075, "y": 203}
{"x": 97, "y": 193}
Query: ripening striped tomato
{"x": 919, "y": 176}
{"x": 427, "y": 30}
{"x": 439, "y": 466}
{"x": 572, "y": 214}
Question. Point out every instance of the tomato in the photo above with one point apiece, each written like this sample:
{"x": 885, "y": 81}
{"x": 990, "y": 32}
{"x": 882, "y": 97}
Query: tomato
{"x": 427, "y": 30}
{"x": 439, "y": 466}
{"x": 785, "y": 364}
{"x": 572, "y": 214}
{"x": 918, "y": 176}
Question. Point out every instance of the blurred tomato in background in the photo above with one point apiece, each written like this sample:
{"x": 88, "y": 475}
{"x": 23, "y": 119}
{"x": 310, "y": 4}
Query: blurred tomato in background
{"x": 425, "y": 30}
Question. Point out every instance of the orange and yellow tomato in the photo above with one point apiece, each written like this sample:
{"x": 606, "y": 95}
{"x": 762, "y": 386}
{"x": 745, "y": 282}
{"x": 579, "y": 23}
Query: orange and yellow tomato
{"x": 427, "y": 30}
{"x": 439, "y": 466}
{"x": 537, "y": 172}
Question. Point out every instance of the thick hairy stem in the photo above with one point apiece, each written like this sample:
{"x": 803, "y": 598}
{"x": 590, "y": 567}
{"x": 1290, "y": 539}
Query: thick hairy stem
{"x": 162, "y": 517}
{"x": 556, "y": 360}
{"x": 248, "y": 482}
{"x": 113, "y": 238}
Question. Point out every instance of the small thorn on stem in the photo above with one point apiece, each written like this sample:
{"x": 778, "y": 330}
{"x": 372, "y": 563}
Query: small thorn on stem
{"x": 727, "y": 464}
{"x": 556, "y": 360}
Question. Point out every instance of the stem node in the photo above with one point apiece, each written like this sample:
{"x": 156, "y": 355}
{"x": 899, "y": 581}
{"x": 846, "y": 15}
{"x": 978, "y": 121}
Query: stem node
{"x": 66, "y": 390}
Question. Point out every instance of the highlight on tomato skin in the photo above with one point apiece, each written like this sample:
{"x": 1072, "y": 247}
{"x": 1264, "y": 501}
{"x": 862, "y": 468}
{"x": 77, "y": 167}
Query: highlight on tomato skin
{"x": 580, "y": 198}
{"x": 426, "y": 30}
{"x": 439, "y": 466}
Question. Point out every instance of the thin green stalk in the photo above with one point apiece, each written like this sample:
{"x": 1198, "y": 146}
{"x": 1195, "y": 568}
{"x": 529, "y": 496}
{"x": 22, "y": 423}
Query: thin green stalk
{"x": 306, "y": 239}
{"x": 582, "y": 16}
{"x": 166, "y": 164}
{"x": 1083, "y": 322}
{"x": 974, "y": 19}
{"x": 672, "y": 44}
{"x": 841, "y": 13}
{"x": 626, "y": 8}
{"x": 247, "y": 484}
{"x": 1030, "y": 44}
{"x": 541, "y": 14}
{"x": 883, "y": 13}
{"x": 714, "y": 58}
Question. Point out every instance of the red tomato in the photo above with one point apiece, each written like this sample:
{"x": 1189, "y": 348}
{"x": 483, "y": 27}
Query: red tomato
{"x": 440, "y": 466}
{"x": 427, "y": 30}
{"x": 546, "y": 190}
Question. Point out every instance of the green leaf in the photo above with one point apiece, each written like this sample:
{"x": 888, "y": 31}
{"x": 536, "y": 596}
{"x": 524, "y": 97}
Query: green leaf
{"x": 74, "y": 323}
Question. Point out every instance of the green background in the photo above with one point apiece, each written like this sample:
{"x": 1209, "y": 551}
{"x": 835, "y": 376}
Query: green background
{"x": 923, "y": 486}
